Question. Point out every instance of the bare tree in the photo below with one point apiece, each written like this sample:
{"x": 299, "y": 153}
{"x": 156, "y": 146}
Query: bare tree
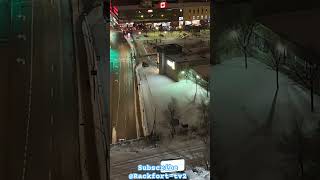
{"x": 306, "y": 75}
{"x": 203, "y": 130}
{"x": 276, "y": 58}
{"x": 171, "y": 114}
{"x": 242, "y": 35}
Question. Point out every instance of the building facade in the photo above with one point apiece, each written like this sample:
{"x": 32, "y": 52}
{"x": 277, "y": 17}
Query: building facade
{"x": 167, "y": 14}
{"x": 196, "y": 12}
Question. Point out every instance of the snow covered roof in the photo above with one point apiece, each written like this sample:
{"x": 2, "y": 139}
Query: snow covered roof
{"x": 194, "y": 58}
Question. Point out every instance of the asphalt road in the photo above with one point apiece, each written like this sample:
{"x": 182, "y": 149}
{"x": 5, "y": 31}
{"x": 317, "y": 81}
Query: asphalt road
{"x": 43, "y": 117}
{"x": 123, "y": 113}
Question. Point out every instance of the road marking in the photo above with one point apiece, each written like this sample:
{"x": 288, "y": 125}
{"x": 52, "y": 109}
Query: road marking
{"x": 51, "y": 92}
{"x": 51, "y": 119}
{"x": 52, "y": 68}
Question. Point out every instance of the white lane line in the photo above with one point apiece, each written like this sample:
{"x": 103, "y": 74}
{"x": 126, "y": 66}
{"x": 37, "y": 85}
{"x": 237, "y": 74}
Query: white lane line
{"x": 51, "y": 119}
{"x": 30, "y": 95}
{"x": 52, "y": 68}
{"x": 51, "y": 92}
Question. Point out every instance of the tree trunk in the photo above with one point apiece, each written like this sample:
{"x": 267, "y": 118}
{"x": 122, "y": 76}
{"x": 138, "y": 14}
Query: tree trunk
{"x": 195, "y": 95}
{"x": 311, "y": 96}
{"x": 301, "y": 168}
{"x": 246, "y": 59}
{"x": 277, "y": 71}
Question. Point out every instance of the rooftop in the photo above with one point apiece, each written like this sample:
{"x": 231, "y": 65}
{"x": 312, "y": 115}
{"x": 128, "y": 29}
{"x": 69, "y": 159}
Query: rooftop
{"x": 203, "y": 70}
{"x": 185, "y": 57}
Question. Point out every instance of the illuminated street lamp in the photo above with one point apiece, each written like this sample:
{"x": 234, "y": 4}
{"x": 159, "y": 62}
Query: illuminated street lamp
{"x": 141, "y": 16}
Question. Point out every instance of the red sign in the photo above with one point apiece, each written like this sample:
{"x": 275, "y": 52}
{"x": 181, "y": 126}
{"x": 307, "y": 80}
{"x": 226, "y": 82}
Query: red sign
{"x": 163, "y": 5}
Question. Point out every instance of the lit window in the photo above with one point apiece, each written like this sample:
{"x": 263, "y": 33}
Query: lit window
{"x": 197, "y": 17}
{"x": 201, "y": 17}
{"x": 171, "y": 64}
{"x": 206, "y": 17}
{"x": 193, "y": 17}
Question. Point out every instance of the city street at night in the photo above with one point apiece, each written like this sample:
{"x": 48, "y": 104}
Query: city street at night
{"x": 123, "y": 108}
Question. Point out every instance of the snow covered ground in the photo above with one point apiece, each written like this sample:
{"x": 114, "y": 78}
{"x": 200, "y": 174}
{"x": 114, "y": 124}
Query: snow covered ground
{"x": 158, "y": 91}
{"x": 251, "y": 117}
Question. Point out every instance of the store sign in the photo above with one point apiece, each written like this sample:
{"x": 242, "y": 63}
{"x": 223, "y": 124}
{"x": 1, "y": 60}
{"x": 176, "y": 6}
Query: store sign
{"x": 171, "y": 64}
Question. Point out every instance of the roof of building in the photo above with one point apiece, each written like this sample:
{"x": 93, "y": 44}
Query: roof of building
{"x": 203, "y": 70}
{"x": 184, "y": 57}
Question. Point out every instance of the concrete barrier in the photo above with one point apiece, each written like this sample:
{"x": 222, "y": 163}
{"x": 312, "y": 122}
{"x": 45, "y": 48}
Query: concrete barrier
{"x": 95, "y": 100}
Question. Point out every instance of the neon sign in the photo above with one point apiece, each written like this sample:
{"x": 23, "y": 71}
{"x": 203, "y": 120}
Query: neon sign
{"x": 163, "y": 5}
